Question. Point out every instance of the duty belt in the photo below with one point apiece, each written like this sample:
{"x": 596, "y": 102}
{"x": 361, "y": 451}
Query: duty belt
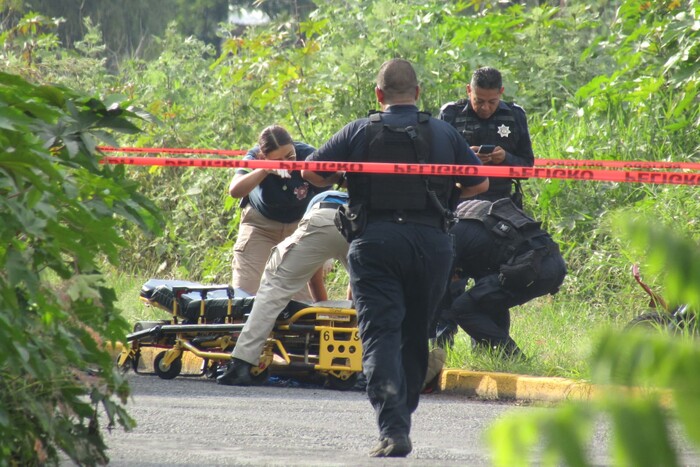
{"x": 401, "y": 217}
{"x": 329, "y": 205}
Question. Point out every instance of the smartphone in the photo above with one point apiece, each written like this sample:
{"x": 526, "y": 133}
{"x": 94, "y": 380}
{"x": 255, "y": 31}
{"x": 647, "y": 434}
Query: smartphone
{"x": 486, "y": 148}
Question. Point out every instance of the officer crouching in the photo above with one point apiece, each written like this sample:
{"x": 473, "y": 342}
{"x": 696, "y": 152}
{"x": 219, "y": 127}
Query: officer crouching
{"x": 511, "y": 260}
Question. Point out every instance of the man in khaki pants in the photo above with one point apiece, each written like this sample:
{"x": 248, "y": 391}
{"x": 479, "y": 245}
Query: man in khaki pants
{"x": 291, "y": 265}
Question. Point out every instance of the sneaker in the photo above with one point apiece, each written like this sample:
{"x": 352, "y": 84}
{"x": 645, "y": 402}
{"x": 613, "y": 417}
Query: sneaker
{"x": 392, "y": 446}
{"x": 237, "y": 374}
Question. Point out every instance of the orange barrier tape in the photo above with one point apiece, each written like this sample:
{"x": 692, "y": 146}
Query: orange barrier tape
{"x": 618, "y": 164}
{"x": 538, "y": 162}
{"x": 218, "y": 152}
{"x": 676, "y": 178}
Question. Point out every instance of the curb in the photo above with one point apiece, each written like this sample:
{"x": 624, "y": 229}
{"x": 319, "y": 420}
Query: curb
{"x": 486, "y": 385}
{"x": 509, "y": 386}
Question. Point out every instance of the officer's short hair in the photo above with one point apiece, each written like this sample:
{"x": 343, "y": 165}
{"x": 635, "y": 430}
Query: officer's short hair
{"x": 487, "y": 78}
{"x": 397, "y": 78}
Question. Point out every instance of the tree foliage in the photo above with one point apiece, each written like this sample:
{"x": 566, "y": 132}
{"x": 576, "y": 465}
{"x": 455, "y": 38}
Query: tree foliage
{"x": 60, "y": 209}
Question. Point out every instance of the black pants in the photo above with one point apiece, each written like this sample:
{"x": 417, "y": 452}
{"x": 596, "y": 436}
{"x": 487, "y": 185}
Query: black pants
{"x": 483, "y": 311}
{"x": 397, "y": 274}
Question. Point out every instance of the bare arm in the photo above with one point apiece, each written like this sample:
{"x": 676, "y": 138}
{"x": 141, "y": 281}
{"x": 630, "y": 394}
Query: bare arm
{"x": 469, "y": 191}
{"x": 317, "y": 288}
{"x": 242, "y": 184}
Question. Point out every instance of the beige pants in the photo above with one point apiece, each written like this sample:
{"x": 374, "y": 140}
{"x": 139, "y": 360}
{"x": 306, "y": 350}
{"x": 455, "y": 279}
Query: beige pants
{"x": 257, "y": 235}
{"x": 291, "y": 265}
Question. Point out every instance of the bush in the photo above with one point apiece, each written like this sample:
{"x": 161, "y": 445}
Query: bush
{"x": 61, "y": 210}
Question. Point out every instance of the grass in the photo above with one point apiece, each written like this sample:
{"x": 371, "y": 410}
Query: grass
{"x": 128, "y": 288}
{"x": 556, "y": 335}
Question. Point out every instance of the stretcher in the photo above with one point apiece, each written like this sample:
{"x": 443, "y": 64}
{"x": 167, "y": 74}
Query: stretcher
{"x": 206, "y": 320}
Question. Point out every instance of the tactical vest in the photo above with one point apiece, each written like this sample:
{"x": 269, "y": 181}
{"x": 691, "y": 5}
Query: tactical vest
{"x": 389, "y": 192}
{"x": 512, "y": 229}
{"x": 478, "y": 132}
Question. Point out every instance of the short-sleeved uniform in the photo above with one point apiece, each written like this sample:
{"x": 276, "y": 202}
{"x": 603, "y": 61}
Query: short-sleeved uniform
{"x": 398, "y": 271}
{"x": 507, "y": 128}
{"x": 270, "y": 213}
{"x": 291, "y": 265}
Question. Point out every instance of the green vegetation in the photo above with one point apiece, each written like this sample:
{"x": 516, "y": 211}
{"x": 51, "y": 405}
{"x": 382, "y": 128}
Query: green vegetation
{"x": 61, "y": 212}
{"x": 600, "y": 80}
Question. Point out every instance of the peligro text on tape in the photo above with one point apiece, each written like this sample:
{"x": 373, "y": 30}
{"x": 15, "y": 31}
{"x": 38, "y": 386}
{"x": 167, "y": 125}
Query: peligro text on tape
{"x": 677, "y": 178}
{"x": 617, "y": 164}
{"x": 538, "y": 162}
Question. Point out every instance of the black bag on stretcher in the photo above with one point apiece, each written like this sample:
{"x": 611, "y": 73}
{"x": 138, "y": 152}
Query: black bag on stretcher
{"x": 192, "y": 302}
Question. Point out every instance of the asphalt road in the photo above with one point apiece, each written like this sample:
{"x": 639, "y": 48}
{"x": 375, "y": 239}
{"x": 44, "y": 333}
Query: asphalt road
{"x": 191, "y": 421}
{"x": 194, "y": 421}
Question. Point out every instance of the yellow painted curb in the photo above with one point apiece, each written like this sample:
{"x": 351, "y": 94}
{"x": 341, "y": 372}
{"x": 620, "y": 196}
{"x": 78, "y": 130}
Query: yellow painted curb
{"x": 512, "y": 386}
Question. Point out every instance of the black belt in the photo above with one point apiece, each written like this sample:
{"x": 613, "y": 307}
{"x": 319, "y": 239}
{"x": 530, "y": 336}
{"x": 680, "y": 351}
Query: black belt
{"x": 416, "y": 217}
{"x": 329, "y": 205}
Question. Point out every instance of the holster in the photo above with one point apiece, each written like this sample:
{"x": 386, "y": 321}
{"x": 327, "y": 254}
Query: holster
{"x": 351, "y": 221}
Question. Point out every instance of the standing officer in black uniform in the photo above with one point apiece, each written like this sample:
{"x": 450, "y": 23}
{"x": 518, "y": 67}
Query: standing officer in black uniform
{"x": 400, "y": 253}
{"x": 485, "y": 120}
{"x": 511, "y": 259}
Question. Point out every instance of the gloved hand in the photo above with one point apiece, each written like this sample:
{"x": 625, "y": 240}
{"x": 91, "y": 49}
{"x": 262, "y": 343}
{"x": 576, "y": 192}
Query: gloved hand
{"x": 284, "y": 173}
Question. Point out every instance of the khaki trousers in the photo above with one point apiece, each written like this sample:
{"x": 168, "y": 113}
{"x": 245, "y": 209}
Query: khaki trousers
{"x": 257, "y": 235}
{"x": 291, "y": 265}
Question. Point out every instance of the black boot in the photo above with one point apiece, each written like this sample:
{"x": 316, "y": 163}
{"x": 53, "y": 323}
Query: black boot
{"x": 237, "y": 374}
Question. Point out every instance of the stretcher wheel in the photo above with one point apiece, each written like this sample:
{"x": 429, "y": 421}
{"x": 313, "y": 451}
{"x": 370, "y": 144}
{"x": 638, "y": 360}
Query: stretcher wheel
{"x": 341, "y": 384}
{"x": 167, "y": 371}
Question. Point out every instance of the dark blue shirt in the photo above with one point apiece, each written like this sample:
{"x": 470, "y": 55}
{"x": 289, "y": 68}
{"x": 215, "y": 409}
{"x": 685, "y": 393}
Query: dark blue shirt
{"x": 448, "y": 146}
{"x": 515, "y": 140}
{"x": 282, "y": 199}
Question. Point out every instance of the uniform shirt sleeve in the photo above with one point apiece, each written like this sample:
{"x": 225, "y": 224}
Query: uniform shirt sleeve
{"x": 447, "y": 112}
{"x": 523, "y": 157}
{"x": 252, "y": 154}
{"x": 346, "y": 145}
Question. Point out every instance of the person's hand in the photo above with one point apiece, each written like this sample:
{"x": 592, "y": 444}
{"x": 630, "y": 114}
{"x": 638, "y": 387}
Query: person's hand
{"x": 498, "y": 155}
{"x": 284, "y": 173}
{"x": 484, "y": 158}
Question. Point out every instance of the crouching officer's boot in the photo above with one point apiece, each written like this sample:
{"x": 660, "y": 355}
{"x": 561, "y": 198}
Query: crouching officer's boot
{"x": 237, "y": 374}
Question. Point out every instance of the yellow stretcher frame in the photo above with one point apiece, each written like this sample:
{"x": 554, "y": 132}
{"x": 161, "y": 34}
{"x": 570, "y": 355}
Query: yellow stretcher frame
{"x": 321, "y": 338}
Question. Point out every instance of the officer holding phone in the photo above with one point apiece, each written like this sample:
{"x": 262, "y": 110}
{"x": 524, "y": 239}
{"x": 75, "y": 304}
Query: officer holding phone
{"x": 495, "y": 130}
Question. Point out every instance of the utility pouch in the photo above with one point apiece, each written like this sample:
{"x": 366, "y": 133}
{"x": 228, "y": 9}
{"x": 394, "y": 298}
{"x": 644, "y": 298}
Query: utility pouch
{"x": 521, "y": 271}
{"x": 351, "y": 221}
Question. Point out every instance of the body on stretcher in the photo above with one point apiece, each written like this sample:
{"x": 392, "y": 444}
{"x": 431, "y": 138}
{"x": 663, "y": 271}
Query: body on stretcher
{"x": 206, "y": 320}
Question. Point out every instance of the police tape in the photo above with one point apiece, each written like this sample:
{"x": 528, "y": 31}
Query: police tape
{"x": 617, "y": 164}
{"x": 675, "y": 178}
{"x": 538, "y": 162}
{"x": 217, "y": 152}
